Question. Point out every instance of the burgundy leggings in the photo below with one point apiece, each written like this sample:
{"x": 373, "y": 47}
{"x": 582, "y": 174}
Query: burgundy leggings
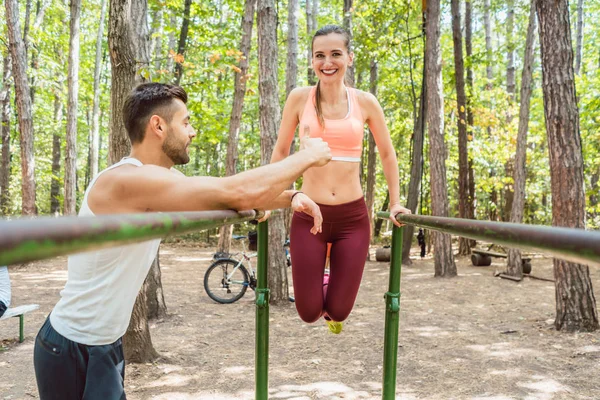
{"x": 346, "y": 227}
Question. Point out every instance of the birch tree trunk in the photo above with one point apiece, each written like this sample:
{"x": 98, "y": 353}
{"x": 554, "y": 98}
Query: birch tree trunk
{"x": 514, "y": 265}
{"x": 235, "y": 121}
{"x": 95, "y": 133}
{"x": 269, "y": 122}
{"x": 575, "y": 301}
{"x": 5, "y": 136}
{"x": 70, "y": 204}
{"x": 464, "y": 247}
{"x": 442, "y": 243}
{"x": 371, "y": 156}
{"x": 24, "y": 109}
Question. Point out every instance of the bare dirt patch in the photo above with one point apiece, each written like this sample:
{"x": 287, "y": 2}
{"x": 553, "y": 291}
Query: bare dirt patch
{"x": 472, "y": 337}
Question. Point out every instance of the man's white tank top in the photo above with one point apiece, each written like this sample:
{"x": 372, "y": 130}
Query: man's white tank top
{"x": 96, "y": 304}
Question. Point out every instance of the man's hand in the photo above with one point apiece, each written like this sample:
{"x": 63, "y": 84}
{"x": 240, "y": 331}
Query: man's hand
{"x": 397, "y": 209}
{"x": 303, "y": 203}
{"x": 316, "y": 147}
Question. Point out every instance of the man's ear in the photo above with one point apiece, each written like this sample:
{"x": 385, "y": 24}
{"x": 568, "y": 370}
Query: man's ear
{"x": 157, "y": 125}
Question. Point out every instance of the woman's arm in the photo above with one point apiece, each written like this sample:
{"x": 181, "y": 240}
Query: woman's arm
{"x": 381, "y": 134}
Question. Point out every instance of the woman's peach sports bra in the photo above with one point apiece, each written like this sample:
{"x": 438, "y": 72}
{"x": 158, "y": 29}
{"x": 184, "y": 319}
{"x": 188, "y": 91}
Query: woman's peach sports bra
{"x": 344, "y": 136}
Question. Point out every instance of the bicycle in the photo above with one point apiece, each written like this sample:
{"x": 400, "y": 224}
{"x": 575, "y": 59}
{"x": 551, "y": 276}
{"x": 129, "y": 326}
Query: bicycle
{"x": 227, "y": 279}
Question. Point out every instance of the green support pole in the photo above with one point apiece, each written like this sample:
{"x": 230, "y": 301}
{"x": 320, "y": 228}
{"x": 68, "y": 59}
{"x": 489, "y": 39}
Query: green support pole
{"x": 262, "y": 315}
{"x": 392, "y": 317}
{"x": 21, "y": 323}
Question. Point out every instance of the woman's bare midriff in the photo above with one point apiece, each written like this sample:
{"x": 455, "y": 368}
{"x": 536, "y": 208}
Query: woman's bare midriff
{"x": 335, "y": 183}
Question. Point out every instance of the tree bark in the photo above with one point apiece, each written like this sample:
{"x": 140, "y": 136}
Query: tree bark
{"x": 444, "y": 259}
{"x": 70, "y": 203}
{"x": 489, "y": 69}
{"x": 182, "y": 40}
{"x": 128, "y": 43}
{"x": 95, "y": 133}
{"x": 579, "y": 43}
{"x": 5, "y": 135}
{"x": 371, "y": 155}
{"x": 575, "y": 301}
{"x": 470, "y": 131}
{"x": 348, "y": 10}
{"x": 510, "y": 50}
{"x": 514, "y": 265}
{"x": 24, "y": 109}
{"x": 269, "y": 123}
{"x": 310, "y": 30}
{"x": 155, "y": 299}
{"x": 56, "y": 154}
{"x": 235, "y": 121}
{"x": 464, "y": 247}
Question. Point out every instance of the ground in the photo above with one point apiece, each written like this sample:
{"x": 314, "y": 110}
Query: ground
{"x": 472, "y": 337}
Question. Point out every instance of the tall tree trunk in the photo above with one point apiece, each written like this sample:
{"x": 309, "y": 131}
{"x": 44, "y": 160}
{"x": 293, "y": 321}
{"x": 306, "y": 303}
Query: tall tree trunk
{"x": 310, "y": 30}
{"x": 73, "y": 89}
{"x": 579, "y": 39}
{"x": 5, "y": 135}
{"x": 155, "y": 299}
{"x": 514, "y": 266}
{"x": 464, "y": 247}
{"x": 371, "y": 155}
{"x": 236, "y": 111}
{"x": 269, "y": 123}
{"x": 56, "y": 153}
{"x": 172, "y": 42}
{"x": 24, "y": 109}
{"x": 470, "y": 132}
{"x": 182, "y": 40}
{"x": 444, "y": 259}
{"x": 510, "y": 89}
{"x": 95, "y": 133}
{"x": 575, "y": 302}
{"x": 489, "y": 69}
{"x": 128, "y": 42}
{"x": 348, "y": 10}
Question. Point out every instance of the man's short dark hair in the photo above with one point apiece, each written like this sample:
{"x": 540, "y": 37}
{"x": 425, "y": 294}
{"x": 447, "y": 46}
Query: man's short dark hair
{"x": 146, "y": 100}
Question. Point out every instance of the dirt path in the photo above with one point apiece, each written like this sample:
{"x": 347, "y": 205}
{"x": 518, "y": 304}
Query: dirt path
{"x": 473, "y": 337}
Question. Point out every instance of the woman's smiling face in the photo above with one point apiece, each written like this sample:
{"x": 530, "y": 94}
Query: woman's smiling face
{"x": 330, "y": 57}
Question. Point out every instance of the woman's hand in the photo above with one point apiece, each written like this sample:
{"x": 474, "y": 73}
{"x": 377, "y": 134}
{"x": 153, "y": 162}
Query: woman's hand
{"x": 303, "y": 203}
{"x": 396, "y": 209}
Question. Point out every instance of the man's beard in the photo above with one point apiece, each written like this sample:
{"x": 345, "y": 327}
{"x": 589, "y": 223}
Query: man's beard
{"x": 175, "y": 151}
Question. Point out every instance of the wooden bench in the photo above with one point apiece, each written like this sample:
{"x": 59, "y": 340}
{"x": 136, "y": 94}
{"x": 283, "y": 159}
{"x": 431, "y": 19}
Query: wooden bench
{"x": 19, "y": 312}
{"x": 483, "y": 258}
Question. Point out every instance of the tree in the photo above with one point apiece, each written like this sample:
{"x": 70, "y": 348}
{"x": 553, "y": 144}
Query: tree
{"x": 56, "y": 152}
{"x": 470, "y": 124}
{"x": 575, "y": 302}
{"x": 182, "y": 40}
{"x": 235, "y": 121}
{"x": 73, "y": 89}
{"x": 371, "y": 155}
{"x": 269, "y": 123}
{"x": 5, "y": 136}
{"x": 95, "y": 132}
{"x": 444, "y": 259}
{"x": 579, "y": 42}
{"x": 24, "y": 109}
{"x": 514, "y": 266}
{"x": 129, "y": 44}
{"x": 310, "y": 29}
{"x": 489, "y": 51}
{"x": 464, "y": 244}
{"x": 348, "y": 10}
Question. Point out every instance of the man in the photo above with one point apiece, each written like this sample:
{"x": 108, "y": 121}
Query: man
{"x": 78, "y": 352}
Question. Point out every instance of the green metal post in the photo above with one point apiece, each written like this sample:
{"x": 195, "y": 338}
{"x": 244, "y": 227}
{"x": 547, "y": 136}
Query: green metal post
{"x": 21, "y": 323}
{"x": 262, "y": 315}
{"x": 392, "y": 317}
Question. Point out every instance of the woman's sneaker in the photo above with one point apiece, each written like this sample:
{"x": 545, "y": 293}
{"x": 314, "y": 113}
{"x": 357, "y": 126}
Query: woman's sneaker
{"x": 334, "y": 326}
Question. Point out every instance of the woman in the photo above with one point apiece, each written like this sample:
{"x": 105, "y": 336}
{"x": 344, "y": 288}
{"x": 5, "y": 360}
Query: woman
{"x": 336, "y": 113}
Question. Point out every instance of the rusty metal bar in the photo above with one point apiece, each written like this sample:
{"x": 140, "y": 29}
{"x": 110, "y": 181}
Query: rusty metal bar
{"x": 24, "y": 240}
{"x": 577, "y": 245}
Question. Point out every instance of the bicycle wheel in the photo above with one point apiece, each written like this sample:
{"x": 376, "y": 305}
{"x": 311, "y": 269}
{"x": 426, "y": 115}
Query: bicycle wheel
{"x": 221, "y": 289}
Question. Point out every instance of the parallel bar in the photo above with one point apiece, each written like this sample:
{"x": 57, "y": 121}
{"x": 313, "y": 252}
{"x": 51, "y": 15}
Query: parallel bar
{"x": 577, "y": 245}
{"x": 23, "y": 240}
{"x": 262, "y": 316}
{"x": 21, "y": 324}
{"x": 392, "y": 318}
